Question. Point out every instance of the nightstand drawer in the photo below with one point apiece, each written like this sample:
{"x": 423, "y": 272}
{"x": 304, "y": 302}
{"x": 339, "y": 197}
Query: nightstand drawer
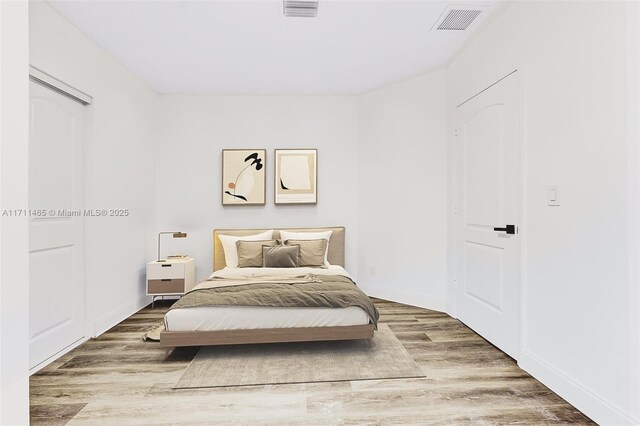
{"x": 158, "y": 271}
{"x": 175, "y": 285}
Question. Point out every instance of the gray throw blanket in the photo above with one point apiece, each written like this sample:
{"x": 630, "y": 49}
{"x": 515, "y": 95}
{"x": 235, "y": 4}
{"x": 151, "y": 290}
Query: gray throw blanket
{"x": 310, "y": 291}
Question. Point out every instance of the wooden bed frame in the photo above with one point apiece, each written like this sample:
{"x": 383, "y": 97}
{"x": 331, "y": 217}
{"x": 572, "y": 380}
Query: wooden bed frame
{"x": 270, "y": 335}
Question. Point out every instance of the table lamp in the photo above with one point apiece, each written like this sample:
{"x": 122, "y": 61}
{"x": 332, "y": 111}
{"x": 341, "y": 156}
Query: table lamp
{"x": 175, "y": 235}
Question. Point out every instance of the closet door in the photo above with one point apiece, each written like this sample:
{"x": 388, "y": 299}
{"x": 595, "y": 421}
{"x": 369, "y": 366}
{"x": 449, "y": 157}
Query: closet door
{"x": 56, "y": 264}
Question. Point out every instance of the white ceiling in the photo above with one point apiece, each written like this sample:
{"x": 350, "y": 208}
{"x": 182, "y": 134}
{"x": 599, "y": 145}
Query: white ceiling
{"x": 249, "y": 47}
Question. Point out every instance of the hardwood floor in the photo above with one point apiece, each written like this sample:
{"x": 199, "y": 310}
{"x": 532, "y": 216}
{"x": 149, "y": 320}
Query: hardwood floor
{"x": 117, "y": 379}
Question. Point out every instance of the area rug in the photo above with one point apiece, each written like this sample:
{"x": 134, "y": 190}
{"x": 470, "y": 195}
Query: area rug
{"x": 384, "y": 357}
{"x": 153, "y": 335}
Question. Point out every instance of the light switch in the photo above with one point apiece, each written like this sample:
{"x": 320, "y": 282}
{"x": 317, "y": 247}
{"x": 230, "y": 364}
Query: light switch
{"x": 553, "y": 195}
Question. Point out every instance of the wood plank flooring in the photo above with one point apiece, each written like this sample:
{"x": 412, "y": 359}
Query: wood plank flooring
{"x": 117, "y": 379}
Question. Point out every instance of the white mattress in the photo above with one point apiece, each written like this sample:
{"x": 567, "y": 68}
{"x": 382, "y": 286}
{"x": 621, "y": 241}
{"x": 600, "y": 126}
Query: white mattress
{"x": 209, "y": 318}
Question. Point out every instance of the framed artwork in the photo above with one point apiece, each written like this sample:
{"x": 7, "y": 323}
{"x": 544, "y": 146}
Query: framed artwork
{"x": 296, "y": 176}
{"x": 243, "y": 177}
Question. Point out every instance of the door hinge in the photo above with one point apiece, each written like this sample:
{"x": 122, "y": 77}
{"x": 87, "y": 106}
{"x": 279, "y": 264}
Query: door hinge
{"x": 455, "y": 132}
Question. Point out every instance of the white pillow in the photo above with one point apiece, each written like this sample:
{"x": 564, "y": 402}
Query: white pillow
{"x": 326, "y": 235}
{"x": 230, "y": 249}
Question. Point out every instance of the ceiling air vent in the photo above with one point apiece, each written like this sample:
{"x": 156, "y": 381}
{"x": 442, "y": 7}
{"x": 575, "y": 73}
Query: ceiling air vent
{"x": 300, "y": 8}
{"x": 457, "y": 18}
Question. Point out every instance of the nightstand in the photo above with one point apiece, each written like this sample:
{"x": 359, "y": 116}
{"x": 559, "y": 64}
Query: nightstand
{"x": 170, "y": 277}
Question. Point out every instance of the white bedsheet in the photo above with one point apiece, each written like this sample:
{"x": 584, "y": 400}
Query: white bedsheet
{"x": 208, "y": 318}
{"x": 253, "y": 272}
{"x": 255, "y": 317}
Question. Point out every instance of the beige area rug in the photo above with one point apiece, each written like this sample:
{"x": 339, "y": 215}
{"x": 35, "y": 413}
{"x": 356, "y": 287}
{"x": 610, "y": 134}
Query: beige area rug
{"x": 154, "y": 334}
{"x": 278, "y": 363}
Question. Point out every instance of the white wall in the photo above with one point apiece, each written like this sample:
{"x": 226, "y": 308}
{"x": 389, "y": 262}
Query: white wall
{"x": 633, "y": 159}
{"x": 14, "y": 237}
{"x": 578, "y": 321}
{"x": 195, "y": 129}
{"x": 119, "y": 163}
{"x": 402, "y": 192}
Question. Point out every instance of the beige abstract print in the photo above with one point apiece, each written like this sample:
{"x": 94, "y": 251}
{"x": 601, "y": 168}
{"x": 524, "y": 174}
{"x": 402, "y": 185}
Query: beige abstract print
{"x": 296, "y": 176}
{"x": 243, "y": 176}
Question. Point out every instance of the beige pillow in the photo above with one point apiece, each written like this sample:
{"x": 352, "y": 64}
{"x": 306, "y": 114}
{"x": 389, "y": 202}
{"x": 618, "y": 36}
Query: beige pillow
{"x": 311, "y": 252}
{"x": 250, "y": 252}
{"x": 290, "y": 235}
{"x": 229, "y": 245}
{"x": 281, "y": 256}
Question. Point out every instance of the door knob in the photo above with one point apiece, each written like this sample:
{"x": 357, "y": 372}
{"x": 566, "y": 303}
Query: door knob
{"x": 509, "y": 229}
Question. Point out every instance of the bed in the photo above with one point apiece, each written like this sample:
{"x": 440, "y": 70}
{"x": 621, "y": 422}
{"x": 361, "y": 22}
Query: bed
{"x": 216, "y": 312}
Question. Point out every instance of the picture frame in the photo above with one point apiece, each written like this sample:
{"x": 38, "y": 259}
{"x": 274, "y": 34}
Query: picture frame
{"x": 296, "y": 176}
{"x": 244, "y": 177}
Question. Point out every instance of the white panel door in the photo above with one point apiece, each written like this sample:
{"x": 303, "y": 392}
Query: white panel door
{"x": 488, "y": 197}
{"x": 57, "y": 291}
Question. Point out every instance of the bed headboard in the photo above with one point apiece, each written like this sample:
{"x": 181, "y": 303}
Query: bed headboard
{"x": 336, "y": 243}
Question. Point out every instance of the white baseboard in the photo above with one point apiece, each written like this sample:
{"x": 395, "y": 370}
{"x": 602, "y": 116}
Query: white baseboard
{"x": 57, "y": 355}
{"x": 107, "y": 321}
{"x": 584, "y": 399}
{"x": 407, "y": 298}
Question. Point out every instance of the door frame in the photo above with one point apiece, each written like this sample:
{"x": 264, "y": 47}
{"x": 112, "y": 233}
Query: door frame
{"x": 56, "y": 85}
{"x": 452, "y": 293}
